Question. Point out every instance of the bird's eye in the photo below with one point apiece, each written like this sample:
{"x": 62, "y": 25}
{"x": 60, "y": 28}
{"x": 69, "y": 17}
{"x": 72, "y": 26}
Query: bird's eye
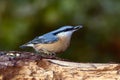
{"x": 68, "y": 29}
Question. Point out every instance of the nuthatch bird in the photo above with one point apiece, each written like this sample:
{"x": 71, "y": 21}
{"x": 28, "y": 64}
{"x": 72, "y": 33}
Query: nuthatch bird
{"x": 53, "y": 42}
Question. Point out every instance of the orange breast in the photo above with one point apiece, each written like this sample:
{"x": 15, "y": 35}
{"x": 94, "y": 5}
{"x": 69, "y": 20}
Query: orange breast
{"x": 57, "y": 47}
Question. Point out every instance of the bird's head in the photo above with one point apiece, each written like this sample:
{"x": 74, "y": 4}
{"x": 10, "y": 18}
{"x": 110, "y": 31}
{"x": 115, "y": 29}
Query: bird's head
{"x": 66, "y": 31}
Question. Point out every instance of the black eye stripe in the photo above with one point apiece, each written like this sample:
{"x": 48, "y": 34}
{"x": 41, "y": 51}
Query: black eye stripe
{"x": 68, "y": 29}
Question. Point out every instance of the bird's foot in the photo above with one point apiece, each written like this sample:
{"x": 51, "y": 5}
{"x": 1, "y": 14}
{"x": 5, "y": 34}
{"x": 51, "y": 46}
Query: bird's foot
{"x": 46, "y": 54}
{"x": 50, "y": 55}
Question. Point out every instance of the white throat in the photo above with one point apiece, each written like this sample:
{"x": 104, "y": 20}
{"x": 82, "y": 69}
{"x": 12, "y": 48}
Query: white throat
{"x": 67, "y": 34}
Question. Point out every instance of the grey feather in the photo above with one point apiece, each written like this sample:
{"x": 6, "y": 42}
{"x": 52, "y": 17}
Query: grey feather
{"x": 46, "y": 39}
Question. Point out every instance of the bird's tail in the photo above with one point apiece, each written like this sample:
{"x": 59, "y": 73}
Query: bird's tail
{"x": 23, "y": 46}
{"x": 26, "y": 45}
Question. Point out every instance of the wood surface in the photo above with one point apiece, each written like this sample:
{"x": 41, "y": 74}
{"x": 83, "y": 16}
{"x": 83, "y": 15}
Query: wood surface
{"x": 15, "y": 65}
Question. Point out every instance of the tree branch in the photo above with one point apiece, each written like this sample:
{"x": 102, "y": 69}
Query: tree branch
{"x": 16, "y": 65}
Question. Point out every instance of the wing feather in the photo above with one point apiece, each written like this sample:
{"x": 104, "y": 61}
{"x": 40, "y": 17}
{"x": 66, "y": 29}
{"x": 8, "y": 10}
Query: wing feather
{"x": 45, "y": 39}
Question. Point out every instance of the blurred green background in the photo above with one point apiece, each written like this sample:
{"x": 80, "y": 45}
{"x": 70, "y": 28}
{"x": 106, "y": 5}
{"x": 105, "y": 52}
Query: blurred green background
{"x": 98, "y": 41}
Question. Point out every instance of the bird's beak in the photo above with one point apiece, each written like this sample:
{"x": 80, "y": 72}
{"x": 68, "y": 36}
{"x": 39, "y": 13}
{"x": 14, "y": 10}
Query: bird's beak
{"x": 77, "y": 27}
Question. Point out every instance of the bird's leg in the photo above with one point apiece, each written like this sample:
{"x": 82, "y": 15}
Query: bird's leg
{"x": 41, "y": 53}
{"x": 52, "y": 54}
{"x": 46, "y": 53}
{"x": 49, "y": 53}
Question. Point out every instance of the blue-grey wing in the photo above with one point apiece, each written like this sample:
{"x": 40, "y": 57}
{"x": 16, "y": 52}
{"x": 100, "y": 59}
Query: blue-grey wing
{"x": 46, "y": 39}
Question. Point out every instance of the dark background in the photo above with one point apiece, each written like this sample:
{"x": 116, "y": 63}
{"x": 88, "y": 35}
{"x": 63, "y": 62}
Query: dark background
{"x": 98, "y": 41}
